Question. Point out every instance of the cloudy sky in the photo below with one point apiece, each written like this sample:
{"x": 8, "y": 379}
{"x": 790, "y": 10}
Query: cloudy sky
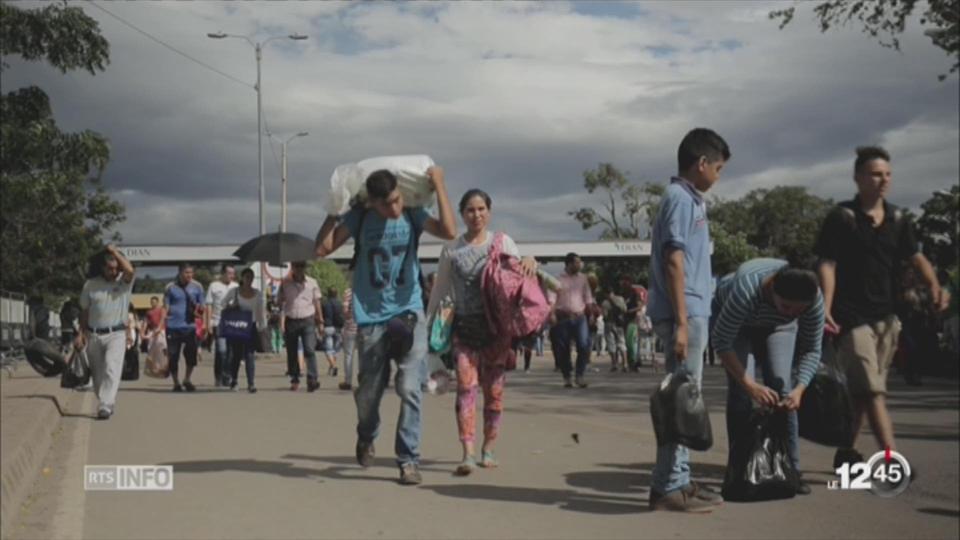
{"x": 515, "y": 98}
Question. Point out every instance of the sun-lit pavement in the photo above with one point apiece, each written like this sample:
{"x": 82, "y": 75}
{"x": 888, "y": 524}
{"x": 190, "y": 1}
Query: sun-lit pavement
{"x": 280, "y": 465}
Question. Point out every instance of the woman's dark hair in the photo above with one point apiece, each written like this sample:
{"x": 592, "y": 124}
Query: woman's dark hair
{"x": 796, "y": 284}
{"x": 475, "y": 193}
{"x": 246, "y": 271}
{"x": 380, "y": 184}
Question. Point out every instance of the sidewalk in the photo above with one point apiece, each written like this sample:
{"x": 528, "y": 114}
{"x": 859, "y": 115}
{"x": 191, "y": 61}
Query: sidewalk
{"x": 278, "y": 464}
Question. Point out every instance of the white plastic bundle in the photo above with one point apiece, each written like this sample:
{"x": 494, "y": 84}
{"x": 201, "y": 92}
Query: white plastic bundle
{"x": 348, "y": 183}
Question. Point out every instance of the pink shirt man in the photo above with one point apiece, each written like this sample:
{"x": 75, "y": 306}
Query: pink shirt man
{"x": 575, "y": 295}
{"x": 299, "y": 299}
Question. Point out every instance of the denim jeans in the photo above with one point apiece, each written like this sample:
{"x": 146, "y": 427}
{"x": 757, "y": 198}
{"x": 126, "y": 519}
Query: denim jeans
{"x": 243, "y": 352}
{"x": 331, "y": 340}
{"x": 572, "y": 330}
{"x": 373, "y": 372}
{"x": 349, "y": 346}
{"x": 221, "y": 359}
{"x": 185, "y": 339}
{"x": 304, "y": 330}
{"x": 672, "y": 470}
{"x": 770, "y": 349}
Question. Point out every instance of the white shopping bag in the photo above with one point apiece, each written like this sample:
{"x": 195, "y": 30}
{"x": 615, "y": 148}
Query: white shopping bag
{"x": 347, "y": 184}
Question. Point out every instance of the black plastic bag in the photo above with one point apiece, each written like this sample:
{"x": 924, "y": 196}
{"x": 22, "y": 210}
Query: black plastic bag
{"x": 77, "y": 372}
{"x": 44, "y": 357}
{"x": 131, "y": 364}
{"x": 826, "y": 412}
{"x": 679, "y": 413}
{"x": 759, "y": 466}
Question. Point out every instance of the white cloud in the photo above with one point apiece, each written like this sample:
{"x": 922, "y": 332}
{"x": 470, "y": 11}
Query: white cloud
{"x": 518, "y": 98}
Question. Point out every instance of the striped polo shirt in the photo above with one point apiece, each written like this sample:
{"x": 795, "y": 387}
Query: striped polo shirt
{"x": 739, "y": 303}
{"x": 107, "y": 302}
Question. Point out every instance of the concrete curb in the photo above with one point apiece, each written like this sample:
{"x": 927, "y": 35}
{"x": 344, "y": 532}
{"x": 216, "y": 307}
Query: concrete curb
{"x": 32, "y": 408}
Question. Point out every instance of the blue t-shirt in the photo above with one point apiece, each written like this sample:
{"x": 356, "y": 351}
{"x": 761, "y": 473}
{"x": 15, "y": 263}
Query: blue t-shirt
{"x": 383, "y": 286}
{"x": 681, "y": 224}
{"x": 175, "y": 298}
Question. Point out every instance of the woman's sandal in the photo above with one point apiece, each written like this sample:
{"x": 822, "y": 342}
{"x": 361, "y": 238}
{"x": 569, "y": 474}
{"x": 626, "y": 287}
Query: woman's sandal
{"x": 488, "y": 461}
{"x": 466, "y": 467}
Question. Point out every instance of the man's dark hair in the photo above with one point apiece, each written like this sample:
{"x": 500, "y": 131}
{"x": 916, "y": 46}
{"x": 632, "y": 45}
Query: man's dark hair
{"x": 380, "y": 184}
{"x": 796, "y": 284}
{"x": 866, "y": 154}
{"x": 183, "y": 266}
{"x": 570, "y": 257}
{"x": 97, "y": 262}
{"x": 701, "y": 142}
{"x": 224, "y": 266}
{"x": 475, "y": 193}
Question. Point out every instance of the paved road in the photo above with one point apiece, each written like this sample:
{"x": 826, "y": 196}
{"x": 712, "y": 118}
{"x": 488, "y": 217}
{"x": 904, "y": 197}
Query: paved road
{"x": 280, "y": 465}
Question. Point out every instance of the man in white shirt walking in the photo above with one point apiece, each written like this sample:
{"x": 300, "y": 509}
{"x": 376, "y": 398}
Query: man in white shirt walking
{"x": 215, "y": 295}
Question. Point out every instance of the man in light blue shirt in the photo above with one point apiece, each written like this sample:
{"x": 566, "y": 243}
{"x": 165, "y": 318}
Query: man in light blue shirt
{"x": 180, "y": 301}
{"x": 388, "y": 307}
{"x": 103, "y": 322}
{"x": 680, "y": 287}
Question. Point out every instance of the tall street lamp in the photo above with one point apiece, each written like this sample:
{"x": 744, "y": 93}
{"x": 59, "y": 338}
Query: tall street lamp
{"x": 283, "y": 176}
{"x": 258, "y": 49}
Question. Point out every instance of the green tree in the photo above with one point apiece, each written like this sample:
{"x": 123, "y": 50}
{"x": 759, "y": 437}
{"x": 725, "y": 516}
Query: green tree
{"x": 54, "y": 211}
{"x": 887, "y": 19}
{"x": 328, "y": 274}
{"x": 781, "y": 222}
{"x": 939, "y": 226}
{"x": 628, "y": 209}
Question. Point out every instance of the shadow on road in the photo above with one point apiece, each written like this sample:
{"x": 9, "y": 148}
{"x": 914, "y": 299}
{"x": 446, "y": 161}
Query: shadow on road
{"x": 566, "y": 499}
{"x": 945, "y": 512}
{"x": 56, "y": 403}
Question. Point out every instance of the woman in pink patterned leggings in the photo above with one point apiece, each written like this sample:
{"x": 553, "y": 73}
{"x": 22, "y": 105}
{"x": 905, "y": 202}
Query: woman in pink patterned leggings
{"x": 481, "y": 361}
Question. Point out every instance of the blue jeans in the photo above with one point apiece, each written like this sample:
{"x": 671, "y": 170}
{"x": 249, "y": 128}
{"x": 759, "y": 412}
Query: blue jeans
{"x": 304, "y": 330}
{"x": 373, "y": 373}
{"x": 243, "y": 352}
{"x": 772, "y": 350}
{"x": 221, "y": 359}
{"x": 566, "y": 332}
{"x": 672, "y": 470}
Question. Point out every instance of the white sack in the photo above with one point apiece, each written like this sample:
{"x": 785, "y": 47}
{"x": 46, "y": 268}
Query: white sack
{"x": 347, "y": 185}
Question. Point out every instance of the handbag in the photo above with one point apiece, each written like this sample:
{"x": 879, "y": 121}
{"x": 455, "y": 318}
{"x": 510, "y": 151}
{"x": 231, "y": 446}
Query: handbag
{"x": 679, "y": 413}
{"x": 236, "y": 323}
{"x": 77, "y": 372}
{"x": 131, "y": 364}
{"x": 441, "y": 331}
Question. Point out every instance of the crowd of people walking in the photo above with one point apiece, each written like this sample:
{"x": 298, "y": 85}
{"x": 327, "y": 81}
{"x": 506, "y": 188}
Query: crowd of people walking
{"x": 766, "y": 321}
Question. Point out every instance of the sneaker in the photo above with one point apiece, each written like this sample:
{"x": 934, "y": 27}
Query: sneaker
{"x": 365, "y": 453}
{"x": 104, "y": 413}
{"x": 345, "y": 386}
{"x": 803, "y": 488}
{"x": 177, "y": 387}
{"x": 580, "y": 382}
{"x": 189, "y": 387}
{"x": 233, "y": 387}
{"x": 846, "y": 455}
{"x": 294, "y": 386}
{"x": 567, "y": 383}
{"x": 410, "y": 474}
{"x": 694, "y": 490}
{"x": 312, "y": 385}
{"x": 252, "y": 389}
{"x": 678, "y": 501}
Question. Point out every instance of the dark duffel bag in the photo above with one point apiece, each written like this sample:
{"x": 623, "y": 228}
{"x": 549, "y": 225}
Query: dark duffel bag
{"x": 826, "y": 412}
{"x": 44, "y": 357}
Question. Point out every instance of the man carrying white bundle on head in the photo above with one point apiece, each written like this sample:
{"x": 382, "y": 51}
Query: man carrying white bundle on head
{"x": 387, "y": 301}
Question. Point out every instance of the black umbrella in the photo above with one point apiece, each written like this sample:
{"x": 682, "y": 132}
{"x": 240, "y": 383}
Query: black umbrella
{"x": 277, "y": 249}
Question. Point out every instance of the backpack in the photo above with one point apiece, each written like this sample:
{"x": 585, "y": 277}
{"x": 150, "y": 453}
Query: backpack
{"x": 414, "y": 242}
{"x": 515, "y": 305}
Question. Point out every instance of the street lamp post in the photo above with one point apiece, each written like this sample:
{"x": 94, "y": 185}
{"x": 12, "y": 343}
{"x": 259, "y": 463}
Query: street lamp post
{"x": 283, "y": 176}
{"x": 258, "y": 49}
